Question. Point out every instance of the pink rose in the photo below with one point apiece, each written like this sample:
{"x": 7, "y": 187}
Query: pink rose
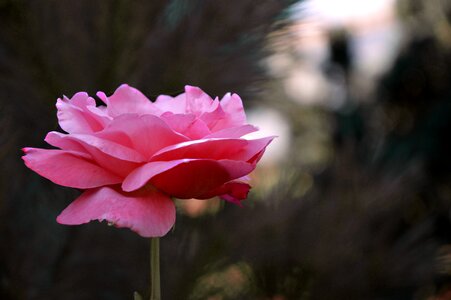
{"x": 132, "y": 155}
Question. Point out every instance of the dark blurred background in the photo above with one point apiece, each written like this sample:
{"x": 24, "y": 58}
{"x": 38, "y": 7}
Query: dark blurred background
{"x": 352, "y": 201}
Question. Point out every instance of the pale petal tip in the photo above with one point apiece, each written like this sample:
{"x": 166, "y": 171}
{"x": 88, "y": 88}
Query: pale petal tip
{"x": 25, "y": 160}
{"x": 80, "y": 94}
{"x": 63, "y": 219}
{"x": 189, "y": 89}
{"x": 124, "y": 86}
{"x": 127, "y": 186}
{"x": 61, "y": 101}
{"x": 238, "y": 100}
{"x": 102, "y": 96}
{"x": 47, "y": 136}
{"x": 60, "y": 220}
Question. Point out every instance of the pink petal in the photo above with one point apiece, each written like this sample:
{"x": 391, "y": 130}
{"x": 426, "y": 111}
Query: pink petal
{"x": 193, "y": 101}
{"x": 60, "y": 140}
{"x": 175, "y": 105}
{"x": 146, "y": 133}
{"x": 198, "y": 102}
{"x": 68, "y": 168}
{"x": 232, "y": 132}
{"x": 80, "y": 114}
{"x": 147, "y": 212}
{"x": 128, "y": 100}
{"x": 212, "y": 117}
{"x": 233, "y": 191}
{"x": 88, "y": 142}
{"x": 254, "y": 147}
{"x": 233, "y": 149}
{"x": 234, "y": 112}
{"x": 113, "y": 157}
{"x": 202, "y": 149}
{"x": 186, "y": 124}
{"x": 103, "y": 97}
{"x": 192, "y": 179}
{"x": 186, "y": 178}
{"x": 140, "y": 176}
{"x": 256, "y": 158}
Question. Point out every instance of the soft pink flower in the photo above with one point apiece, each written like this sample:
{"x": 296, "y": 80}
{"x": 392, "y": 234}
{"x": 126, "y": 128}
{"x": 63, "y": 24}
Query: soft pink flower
{"x": 132, "y": 155}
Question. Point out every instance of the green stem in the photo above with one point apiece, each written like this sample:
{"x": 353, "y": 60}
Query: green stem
{"x": 155, "y": 293}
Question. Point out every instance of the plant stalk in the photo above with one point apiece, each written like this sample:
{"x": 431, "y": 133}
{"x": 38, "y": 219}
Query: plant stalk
{"x": 155, "y": 292}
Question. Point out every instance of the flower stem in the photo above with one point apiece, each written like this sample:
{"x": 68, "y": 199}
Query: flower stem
{"x": 155, "y": 293}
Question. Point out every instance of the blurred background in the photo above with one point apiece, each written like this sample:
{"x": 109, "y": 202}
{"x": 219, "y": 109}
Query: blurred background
{"x": 352, "y": 201}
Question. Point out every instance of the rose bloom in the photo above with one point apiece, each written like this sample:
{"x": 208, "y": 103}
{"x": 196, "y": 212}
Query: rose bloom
{"x": 132, "y": 155}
